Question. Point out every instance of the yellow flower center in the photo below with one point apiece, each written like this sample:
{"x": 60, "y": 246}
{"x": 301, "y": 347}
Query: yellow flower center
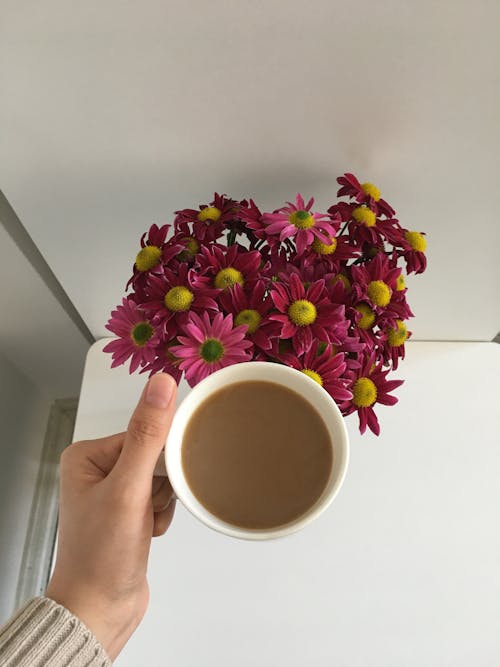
{"x": 396, "y": 337}
{"x": 301, "y": 219}
{"x": 343, "y": 279}
{"x": 148, "y": 257}
{"x": 324, "y": 248}
{"x": 178, "y": 299}
{"x": 364, "y": 393}
{"x": 371, "y": 190}
{"x": 228, "y": 277}
{"x": 211, "y": 350}
{"x": 302, "y": 312}
{"x": 417, "y": 241}
{"x": 364, "y": 215}
{"x": 379, "y": 292}
{"x": 192, "y": 245}
{"x": 400, "y": 283}
{"x": 313, "y": 375}
{"x": 249, "y": 317}
{"x": 367, "y": 316}
{"x": 141, "y": 333}
{"x": 209, "y": 213}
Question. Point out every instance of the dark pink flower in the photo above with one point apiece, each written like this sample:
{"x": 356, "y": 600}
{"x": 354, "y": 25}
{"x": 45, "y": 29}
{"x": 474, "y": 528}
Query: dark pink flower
{"x": 137, "y": 336}
{"x": 252, "y": 310}
{"x": 154, "y": 253}
{"x": 298, "y": 222}
{"x": 209, "y": 345}
{"x": 222, "y": 267}
{"x": 363, "y": 193}
{"x": 307, "y": 314}
{"x": 414, "y": 247}
{"x": 376, "y": 281}
{"x": 368, "y": 385}
{"x": 324, "y": 368}
{"x": 392, "y": 343}
{"x": 164, "y": 361}
{"x": 173, "y": 295}
{"x": 209, "y": 221}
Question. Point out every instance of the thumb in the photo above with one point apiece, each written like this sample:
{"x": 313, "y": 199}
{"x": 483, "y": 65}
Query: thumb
{"x": 147, "y": 430}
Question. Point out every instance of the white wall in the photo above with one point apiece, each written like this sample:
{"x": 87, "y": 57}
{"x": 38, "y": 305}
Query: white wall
{"x": 115, "y": 114}
{"x": 23, "y": 419}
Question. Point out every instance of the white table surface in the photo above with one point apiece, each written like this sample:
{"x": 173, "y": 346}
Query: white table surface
{"x": 402, "y": 570}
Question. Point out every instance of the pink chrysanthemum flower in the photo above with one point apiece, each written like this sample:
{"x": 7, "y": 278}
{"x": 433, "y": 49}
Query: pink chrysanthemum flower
{"x": 298, "y": 222}
{"x": 223, "y": 267}
{"x": 173, "y": 295}
{"x": 365, "y": 228}
{"x": 377, "y": 281}
{"x": 154, "y": 253}
{"x": 252, "y": 310}
{"x": 210, "y": 345}
{"x": 392, "y": 345}
{"x": 324, "y": 368}
{"x": 165, "y": 361}
{"x": 369, "y": 386}
{"x": 414, "y": 247}
{"x": 208, "y": 222}
{"x": 137, "y": 336}
{"x": 363, "y": 193}
{"x": 307, "y": 314}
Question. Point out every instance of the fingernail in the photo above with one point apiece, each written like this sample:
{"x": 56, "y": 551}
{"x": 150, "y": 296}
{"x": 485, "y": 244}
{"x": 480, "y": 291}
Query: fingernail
{"x": 160, "y": 390}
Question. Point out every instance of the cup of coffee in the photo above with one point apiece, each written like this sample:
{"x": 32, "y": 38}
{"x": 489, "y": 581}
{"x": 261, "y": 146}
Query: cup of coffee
{"x": 257, "y": 450}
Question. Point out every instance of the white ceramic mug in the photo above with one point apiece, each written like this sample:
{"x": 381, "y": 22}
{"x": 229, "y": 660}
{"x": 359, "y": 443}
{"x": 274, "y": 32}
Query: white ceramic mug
{"x": 269, "y": 372}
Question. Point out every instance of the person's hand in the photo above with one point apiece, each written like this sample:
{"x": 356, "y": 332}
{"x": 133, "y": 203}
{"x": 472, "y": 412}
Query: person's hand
{"x": 110, "y": 508}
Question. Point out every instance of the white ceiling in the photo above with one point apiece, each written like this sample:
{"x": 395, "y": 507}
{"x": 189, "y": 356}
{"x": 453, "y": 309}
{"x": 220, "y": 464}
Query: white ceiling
{"x": 116, "y": 113}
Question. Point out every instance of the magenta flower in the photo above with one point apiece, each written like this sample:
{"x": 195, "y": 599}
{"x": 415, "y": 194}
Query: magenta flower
{"x": 209, "y": 345}
{"x": 223, "y": 267}
{"x": 164, "y": 361}
{"x": 296, "y": 221}
{"x": 414, "y": 246}
{"x": 364, "y": 193}
{"x": 252, "y": 310}
{"x": 392, "y": 343}
{"x": 377, "y": 281}
{"x": 209, "y": 221}
{"x": 324, "y": 368}
{"x": 369, "y": 386}
{"x": 152, "y": 256}
{"x": 307, "y": 314}
{"x": 173, "y": 295}
{"x": 137, "y": 336}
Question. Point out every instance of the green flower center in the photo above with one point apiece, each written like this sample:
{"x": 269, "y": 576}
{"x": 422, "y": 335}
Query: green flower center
{"x": 379, "y": 292}
{"x": 301, "y": 219}
{"x": 211, "y": 350}
{"x": 249, "y": 317}
{"x": 148, "y": 257}
{"x": 364, "y": 393}
{"x": 302, "y": 313}
{"x": 141, "y": 333}
{"x": 178, "y": 299}
{"x": 228, "y": 277}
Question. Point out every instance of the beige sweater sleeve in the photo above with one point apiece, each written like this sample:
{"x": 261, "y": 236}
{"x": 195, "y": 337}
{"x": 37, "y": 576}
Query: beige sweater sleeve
{"x": 45, "y": 634}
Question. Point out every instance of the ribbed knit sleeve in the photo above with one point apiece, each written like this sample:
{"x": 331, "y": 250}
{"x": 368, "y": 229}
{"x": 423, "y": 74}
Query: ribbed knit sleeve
{"x": 45, "y": 634}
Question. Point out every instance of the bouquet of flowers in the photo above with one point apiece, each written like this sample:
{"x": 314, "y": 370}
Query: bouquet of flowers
{"x": 323, "y": 293}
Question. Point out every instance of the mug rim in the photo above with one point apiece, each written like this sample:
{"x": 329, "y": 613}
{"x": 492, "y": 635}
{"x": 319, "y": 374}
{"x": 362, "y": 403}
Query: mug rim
{"x": 266, "y": 372}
